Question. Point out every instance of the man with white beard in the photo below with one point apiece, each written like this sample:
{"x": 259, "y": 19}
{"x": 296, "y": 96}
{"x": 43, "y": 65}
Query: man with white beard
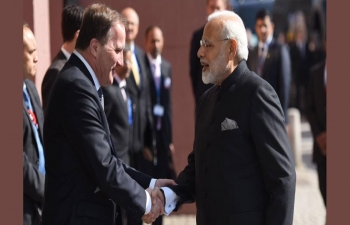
{"x": 241, "y": 169}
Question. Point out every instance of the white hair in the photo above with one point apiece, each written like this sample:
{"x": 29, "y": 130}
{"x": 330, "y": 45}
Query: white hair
{"x": 233, "y": 29}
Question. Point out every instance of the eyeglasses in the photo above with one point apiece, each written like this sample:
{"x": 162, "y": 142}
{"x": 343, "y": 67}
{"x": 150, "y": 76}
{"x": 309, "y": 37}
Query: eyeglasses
{"x": 207, "y": 45}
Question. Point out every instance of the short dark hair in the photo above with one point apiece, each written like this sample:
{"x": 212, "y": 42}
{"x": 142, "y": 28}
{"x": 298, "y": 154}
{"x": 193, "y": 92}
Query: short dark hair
{"x": 149, "y": 29}
{"x": 97, "y": 22}
{"x": 72, "y": 16}
{"x": 262, "y": 14}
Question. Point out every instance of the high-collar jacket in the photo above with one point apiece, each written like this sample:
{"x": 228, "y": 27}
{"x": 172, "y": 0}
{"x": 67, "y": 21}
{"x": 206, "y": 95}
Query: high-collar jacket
{"x": 244, "y": 175}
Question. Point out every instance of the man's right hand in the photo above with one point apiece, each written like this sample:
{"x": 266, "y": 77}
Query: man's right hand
{"x": 157, "y": 206}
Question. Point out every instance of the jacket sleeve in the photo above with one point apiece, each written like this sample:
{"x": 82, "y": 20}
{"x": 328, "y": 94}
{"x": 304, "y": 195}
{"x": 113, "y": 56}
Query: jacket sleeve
{"x": 274, "y": 155}
{"x": 83, "y": 123}
{"x": 33, "y": 181}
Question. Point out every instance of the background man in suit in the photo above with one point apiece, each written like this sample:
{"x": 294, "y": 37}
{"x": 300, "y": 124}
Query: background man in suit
{"x": 198, "y": 87}
{"x": 72, "y": 17}
{"x": 33, "y": 121}
{"x": 241, "y": 169}
{"x": 86, "y": 183}
{"x": 159, "y": 74}
{"x": 117, "y": 107}
{"x": 141, "y": 137}
{"x": 301, "y": 59}
{"x": 316, "y": 111}
{"x": 271, "y": 60}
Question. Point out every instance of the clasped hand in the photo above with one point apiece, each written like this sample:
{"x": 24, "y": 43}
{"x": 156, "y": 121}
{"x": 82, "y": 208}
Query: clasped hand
{"x": 157, "y": 205}
{"x": 158, "y": 200}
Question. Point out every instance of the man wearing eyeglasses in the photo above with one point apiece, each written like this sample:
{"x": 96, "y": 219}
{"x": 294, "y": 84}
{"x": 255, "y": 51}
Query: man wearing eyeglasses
{"x": 241, "y": 169}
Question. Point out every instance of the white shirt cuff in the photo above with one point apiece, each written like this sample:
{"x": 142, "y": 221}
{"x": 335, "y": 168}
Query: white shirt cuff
{"x": 171, "y": 200}
{"x": 152, "y": 183}
{"x": 148, "y": 203}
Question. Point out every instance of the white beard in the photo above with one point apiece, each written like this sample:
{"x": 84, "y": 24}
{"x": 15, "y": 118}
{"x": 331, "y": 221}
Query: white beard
{"x": 216, "y": 74}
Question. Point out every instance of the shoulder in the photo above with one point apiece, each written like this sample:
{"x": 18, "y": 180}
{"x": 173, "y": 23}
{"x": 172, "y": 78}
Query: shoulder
{"x": 139, "y": 51}
{"x": 166, "y": 63}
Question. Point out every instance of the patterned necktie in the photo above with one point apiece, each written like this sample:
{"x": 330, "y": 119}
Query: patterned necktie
{"x": 135, "y": 69}
{"x": 35, "y": 130}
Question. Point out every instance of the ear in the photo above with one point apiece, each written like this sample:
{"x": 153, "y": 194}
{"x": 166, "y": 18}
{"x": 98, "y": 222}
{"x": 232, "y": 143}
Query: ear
{"x": 76, "y": 34}
{"x": 94, "y": 47}
{"x": 233, "y": 49}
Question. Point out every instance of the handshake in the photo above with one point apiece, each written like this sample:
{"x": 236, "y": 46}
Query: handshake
{"x": 158, "y": 200}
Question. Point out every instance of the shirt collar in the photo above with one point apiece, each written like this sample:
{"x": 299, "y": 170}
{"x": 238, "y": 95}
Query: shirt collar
{"x": 91, "y": 71}
{"x": 122, "y": 83}
{"x": 132, "y": 47}
{"x": 157, "y": 60}
{"x": 267, "y": 42}
{"x": 65, "y": 52}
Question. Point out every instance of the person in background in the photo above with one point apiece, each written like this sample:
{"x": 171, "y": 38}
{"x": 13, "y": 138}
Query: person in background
{"x": 158, "y": 71}
{"x": 316, "y": 112}
{"x": 271, "y": 60}
{"x": 33, "y": 121}
{"x": 72, "y": 16}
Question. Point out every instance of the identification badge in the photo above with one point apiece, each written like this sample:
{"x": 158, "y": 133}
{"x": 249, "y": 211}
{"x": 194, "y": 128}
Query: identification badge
{"x": 158, "y": 110}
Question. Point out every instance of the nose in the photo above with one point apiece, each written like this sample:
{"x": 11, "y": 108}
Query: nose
{"x": 201, "y": 52}
{"x": 35, "y": 58}
{"x": 120, "y": 60}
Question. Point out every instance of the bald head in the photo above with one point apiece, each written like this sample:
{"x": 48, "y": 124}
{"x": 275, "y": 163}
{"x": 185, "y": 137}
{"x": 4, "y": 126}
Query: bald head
{"x": 30, "y": 57}
{"x": 231, "y": 26}
{"x": 132, "y": 27}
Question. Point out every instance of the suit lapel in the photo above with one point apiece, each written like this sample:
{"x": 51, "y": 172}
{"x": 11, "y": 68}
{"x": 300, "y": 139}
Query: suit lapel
{"x": 78, "y": 63}
{"x": 36, "y": 107}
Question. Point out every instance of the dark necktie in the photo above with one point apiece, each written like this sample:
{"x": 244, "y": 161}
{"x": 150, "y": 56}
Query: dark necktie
{"x": 35, "y": 128}
{"x": 260, "y": 61}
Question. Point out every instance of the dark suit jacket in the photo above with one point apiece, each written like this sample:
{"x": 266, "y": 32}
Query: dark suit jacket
{"x": 141, "y": 109}
{"x": 276, "y": 71}
{"x": 80, "y": 157}
{"x": 244, "y": 175}
{"x": 198, "y": 87}
{"x": 33, "y": 180}
{"x": 116, "y": 110}
{"x": 316, "y": 107}
{"x": 51, "y": 75}
{"x": 164, "y": 167}
{"x": 300, "y": 63}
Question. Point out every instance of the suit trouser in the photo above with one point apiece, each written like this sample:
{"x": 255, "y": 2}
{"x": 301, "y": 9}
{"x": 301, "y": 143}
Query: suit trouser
{"x": 322, "y": 178}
